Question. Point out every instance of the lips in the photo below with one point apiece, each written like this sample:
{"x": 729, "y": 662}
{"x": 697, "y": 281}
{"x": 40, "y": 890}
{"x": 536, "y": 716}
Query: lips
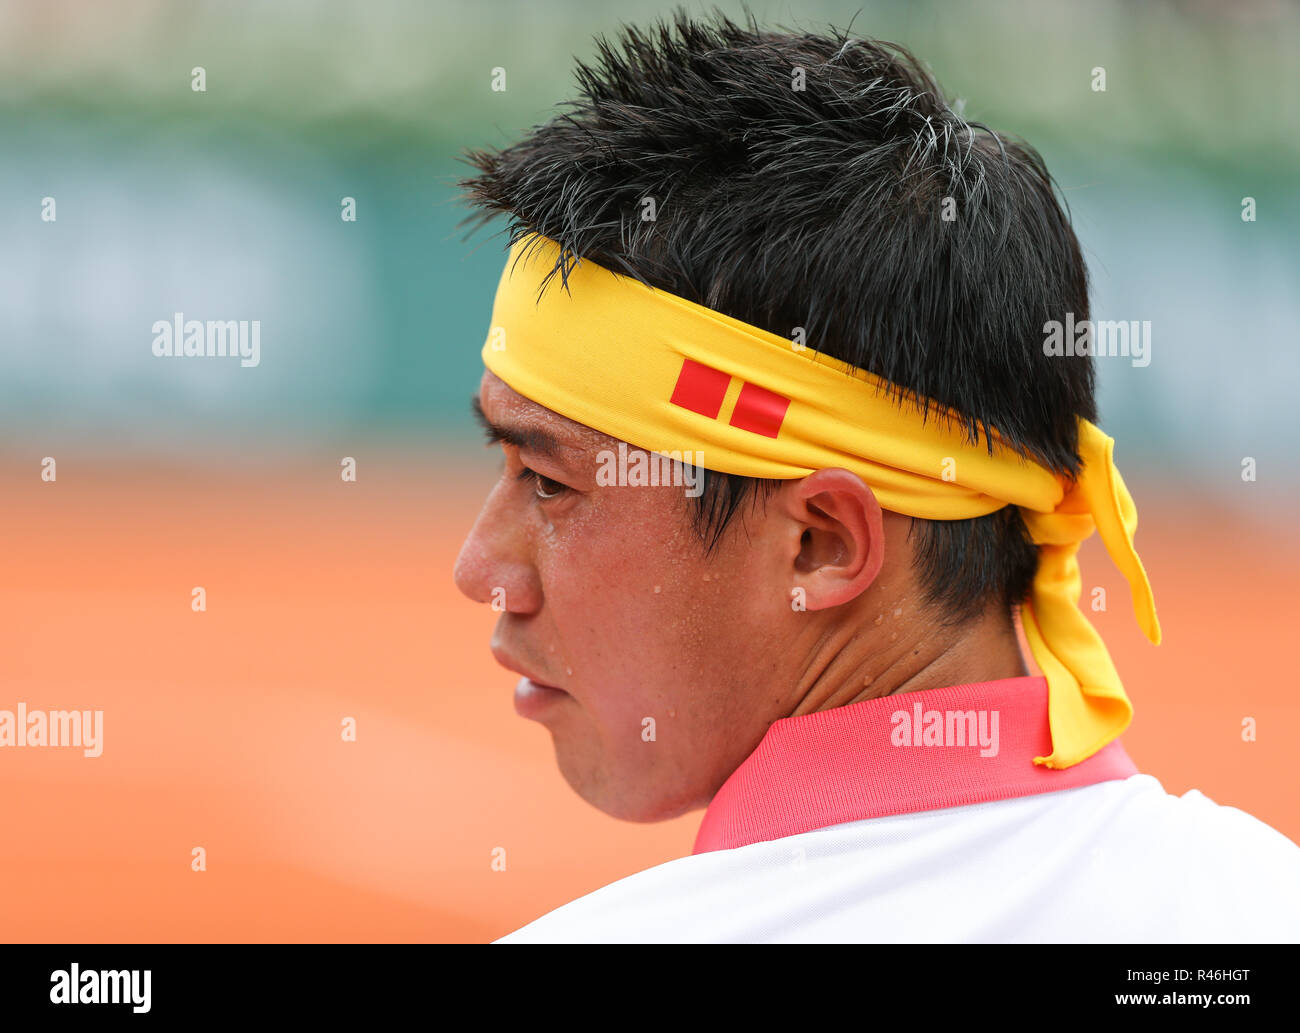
{"x": 538, "y": 702}
{"x": 511, "y": 664}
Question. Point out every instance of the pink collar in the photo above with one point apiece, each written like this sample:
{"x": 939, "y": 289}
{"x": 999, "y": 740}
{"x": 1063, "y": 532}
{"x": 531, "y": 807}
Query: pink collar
{"x": 896, "y": 755}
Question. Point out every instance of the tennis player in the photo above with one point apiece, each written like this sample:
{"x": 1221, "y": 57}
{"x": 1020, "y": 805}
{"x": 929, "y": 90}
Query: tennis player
{"x": 785, "y": 457}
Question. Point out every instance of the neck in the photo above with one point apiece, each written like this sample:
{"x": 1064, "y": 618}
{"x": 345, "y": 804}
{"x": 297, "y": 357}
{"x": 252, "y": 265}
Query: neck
{"x": 897, "y": 655}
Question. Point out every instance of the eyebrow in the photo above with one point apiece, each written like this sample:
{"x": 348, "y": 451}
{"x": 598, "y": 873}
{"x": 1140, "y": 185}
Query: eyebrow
{"x": 533, "y": 440}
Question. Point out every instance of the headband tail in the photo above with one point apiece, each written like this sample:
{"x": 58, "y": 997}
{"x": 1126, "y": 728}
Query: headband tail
{"x": 1087, "y": 705}
{"x": 1113, "y": 509}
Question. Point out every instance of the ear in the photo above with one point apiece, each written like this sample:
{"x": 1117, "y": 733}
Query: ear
{"x": 837, "y": 536}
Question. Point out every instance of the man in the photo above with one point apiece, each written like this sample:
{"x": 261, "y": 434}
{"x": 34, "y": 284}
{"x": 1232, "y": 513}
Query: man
{"x": 785, "y": 263}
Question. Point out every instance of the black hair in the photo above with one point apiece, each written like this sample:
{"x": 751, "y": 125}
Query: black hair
{"x": 819, "y": 181}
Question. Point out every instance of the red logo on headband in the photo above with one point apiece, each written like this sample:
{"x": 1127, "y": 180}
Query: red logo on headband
{"x": 701, "y": 389}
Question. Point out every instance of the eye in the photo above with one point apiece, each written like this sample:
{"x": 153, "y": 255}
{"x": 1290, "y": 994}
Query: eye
{"x": 544, "y": 487}
{"x": 549, "y": 489}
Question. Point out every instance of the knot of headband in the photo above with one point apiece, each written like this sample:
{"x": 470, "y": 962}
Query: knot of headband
{"x": 667, "y": 375}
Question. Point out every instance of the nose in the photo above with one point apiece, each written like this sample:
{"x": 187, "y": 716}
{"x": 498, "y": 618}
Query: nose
{"x": 496, "y": 561}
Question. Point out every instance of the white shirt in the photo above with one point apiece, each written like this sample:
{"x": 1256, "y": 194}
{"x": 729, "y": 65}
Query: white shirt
{"x": 1112, "y": 858}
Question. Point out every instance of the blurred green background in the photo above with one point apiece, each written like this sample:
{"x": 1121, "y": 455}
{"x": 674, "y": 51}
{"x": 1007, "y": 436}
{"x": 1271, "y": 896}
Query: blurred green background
{"x": 225, "y": 205}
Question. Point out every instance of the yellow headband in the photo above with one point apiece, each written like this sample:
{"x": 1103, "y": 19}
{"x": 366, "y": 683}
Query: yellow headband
{"x": 667, "y": 375}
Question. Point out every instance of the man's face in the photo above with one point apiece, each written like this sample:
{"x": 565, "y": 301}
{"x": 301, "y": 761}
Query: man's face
{"x": 670, "y": 662}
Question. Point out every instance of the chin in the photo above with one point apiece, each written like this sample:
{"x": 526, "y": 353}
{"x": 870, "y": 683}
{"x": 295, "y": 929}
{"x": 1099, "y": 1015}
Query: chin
{"x": 626, "y": 798}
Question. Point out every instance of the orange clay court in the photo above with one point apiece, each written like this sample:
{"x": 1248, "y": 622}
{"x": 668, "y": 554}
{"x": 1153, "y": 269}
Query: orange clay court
{"x": 328, "y": 600}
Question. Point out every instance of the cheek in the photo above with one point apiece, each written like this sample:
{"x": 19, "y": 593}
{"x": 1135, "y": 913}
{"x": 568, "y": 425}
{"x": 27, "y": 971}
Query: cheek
{"x": 634, "y": 604}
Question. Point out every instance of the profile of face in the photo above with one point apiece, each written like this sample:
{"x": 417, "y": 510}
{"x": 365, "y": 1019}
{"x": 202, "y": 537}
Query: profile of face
{"x": 655, "y": 664}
